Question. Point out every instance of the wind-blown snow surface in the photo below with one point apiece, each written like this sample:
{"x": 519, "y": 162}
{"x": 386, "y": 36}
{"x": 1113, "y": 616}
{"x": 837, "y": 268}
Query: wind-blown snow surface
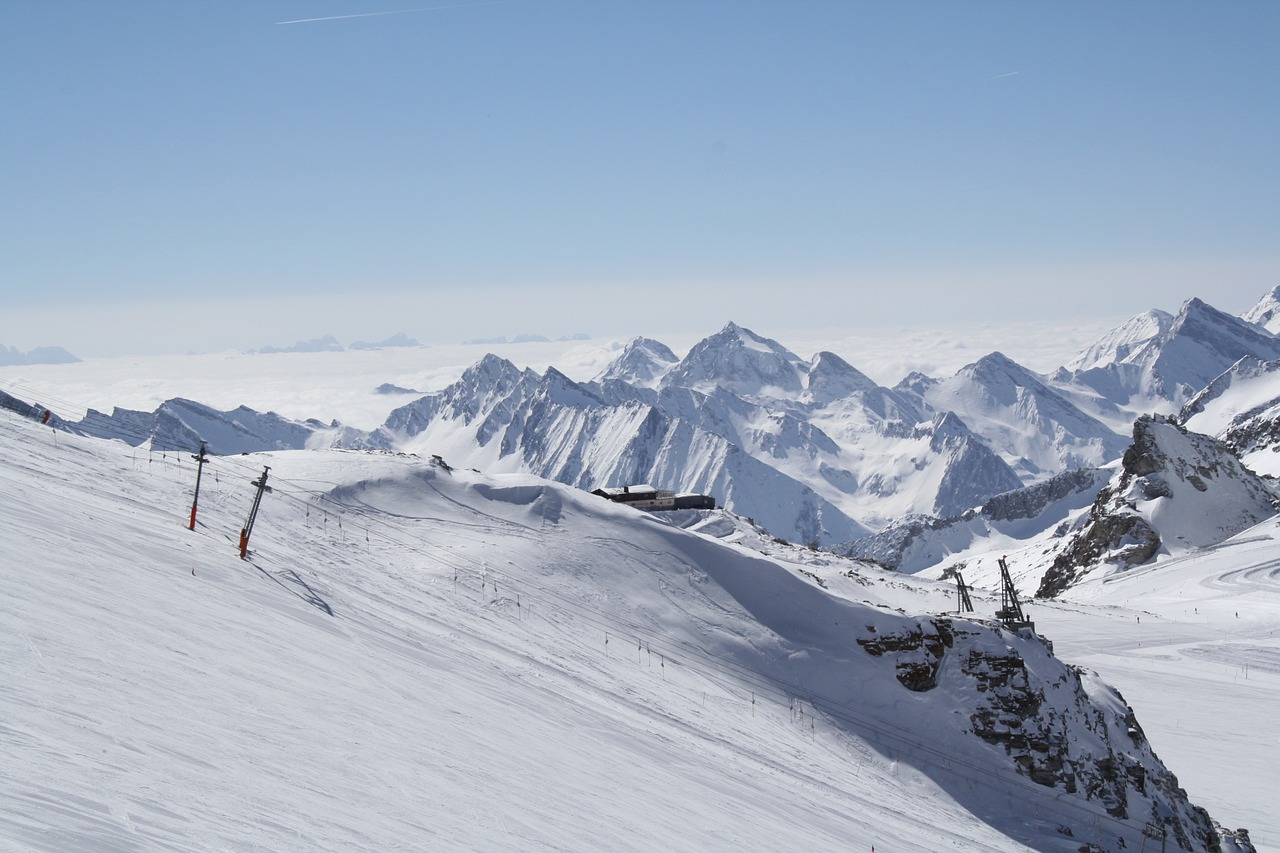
{"x": 435, "y": 658}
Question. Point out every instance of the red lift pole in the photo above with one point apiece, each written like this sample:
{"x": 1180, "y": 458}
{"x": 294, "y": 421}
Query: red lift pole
{"x": 245, "y": 531}
{"x": 200, "y": 460}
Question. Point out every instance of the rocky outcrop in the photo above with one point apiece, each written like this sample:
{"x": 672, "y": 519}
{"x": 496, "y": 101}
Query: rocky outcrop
{"x": 1111, "y": 535}
{"x": 917, "y": 542}
{"x": 1057, "y": 725}
{"x": 1034, "y": 500}
{"x": 1176, "y": 490}
{"x": 917, "y": 652}
{"x": 1255, "y": 430}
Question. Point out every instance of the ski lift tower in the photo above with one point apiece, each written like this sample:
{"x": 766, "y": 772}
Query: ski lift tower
{"x": 963, "y": 604}
{"x": 1010, "y": 612}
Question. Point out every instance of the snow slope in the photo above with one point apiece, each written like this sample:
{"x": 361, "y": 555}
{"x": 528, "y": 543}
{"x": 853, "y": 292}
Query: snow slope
{"x": 415, "y": 656}
{"x": 1199, "y": 659}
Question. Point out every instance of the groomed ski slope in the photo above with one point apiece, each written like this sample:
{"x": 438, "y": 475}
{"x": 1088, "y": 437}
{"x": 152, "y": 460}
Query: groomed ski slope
{"x": 415, "y": 657}
{"x": 1193, "y": 644}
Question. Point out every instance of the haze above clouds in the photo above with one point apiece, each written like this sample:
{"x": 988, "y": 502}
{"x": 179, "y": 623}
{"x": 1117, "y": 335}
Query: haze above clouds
{"x": 186, "y": 177}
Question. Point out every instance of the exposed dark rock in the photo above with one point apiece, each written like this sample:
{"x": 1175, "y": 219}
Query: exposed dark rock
{"x": 1162, "y": 457}
{"x": 1124, "y": 538}
{"x": 889, "y": 546}
{"x": 1031, "y": 501}
{"x": 919, "y": 652}
{"x": 1043, "y": 716}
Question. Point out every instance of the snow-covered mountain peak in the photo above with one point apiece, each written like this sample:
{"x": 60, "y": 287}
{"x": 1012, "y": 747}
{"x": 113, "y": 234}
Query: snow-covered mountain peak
{"x": 1162, "y": 371}
{"x": 1197, "y": 314}
{"x": 1267, "y": 312}
{"x": 916, "y": 384}
{"x": 947, "y": 425}
{"x": 643, "y": 361}
{"x": 561, "y": 390}
{"x": 996, "y": 370}
{"x": 1202, "y": 343}
{"x": 832, "y": 378}
{"x": 1117, "y": 345}
{"x": 1034, "y": 428}
{"x": 742, "y": 333}
{"x": 742, "y": 362}
{"x": 490, "y": 370}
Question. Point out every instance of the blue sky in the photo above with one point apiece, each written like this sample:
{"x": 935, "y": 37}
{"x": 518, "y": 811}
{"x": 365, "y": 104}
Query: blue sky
{"x": 184, "y": 175}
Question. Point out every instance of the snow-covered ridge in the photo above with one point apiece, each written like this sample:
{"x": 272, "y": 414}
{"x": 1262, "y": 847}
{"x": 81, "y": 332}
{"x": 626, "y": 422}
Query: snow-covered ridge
{"x": 1003, "y": 522}
{"x": 811, "y": 449}
{"x": 1119, "y": 344}
{"x": 1178, "y": 357}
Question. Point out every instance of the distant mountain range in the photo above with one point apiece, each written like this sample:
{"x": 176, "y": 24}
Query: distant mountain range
{"x": 39, "y": 355}
{"x": 915, "y": 476}
{"x": 526, "y": 338}
{"x": 329, "y": 343}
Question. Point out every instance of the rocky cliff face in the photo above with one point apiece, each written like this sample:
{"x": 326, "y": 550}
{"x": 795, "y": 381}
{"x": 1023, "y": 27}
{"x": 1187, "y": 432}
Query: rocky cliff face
{"x": 1176, "y": 490}
{"x": 1056, "y": 725}
{"x": 918, "y": 542}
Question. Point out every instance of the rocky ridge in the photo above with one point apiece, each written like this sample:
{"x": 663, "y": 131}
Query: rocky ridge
{"x": 1057, "y": 725}
{"x": 1176, "y": 490}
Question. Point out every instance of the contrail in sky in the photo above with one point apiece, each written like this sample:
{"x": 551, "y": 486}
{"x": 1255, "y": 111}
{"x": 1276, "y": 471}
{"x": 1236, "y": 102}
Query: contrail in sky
{"x": 998, "y": 76}
{"x": 395, "y": 12}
